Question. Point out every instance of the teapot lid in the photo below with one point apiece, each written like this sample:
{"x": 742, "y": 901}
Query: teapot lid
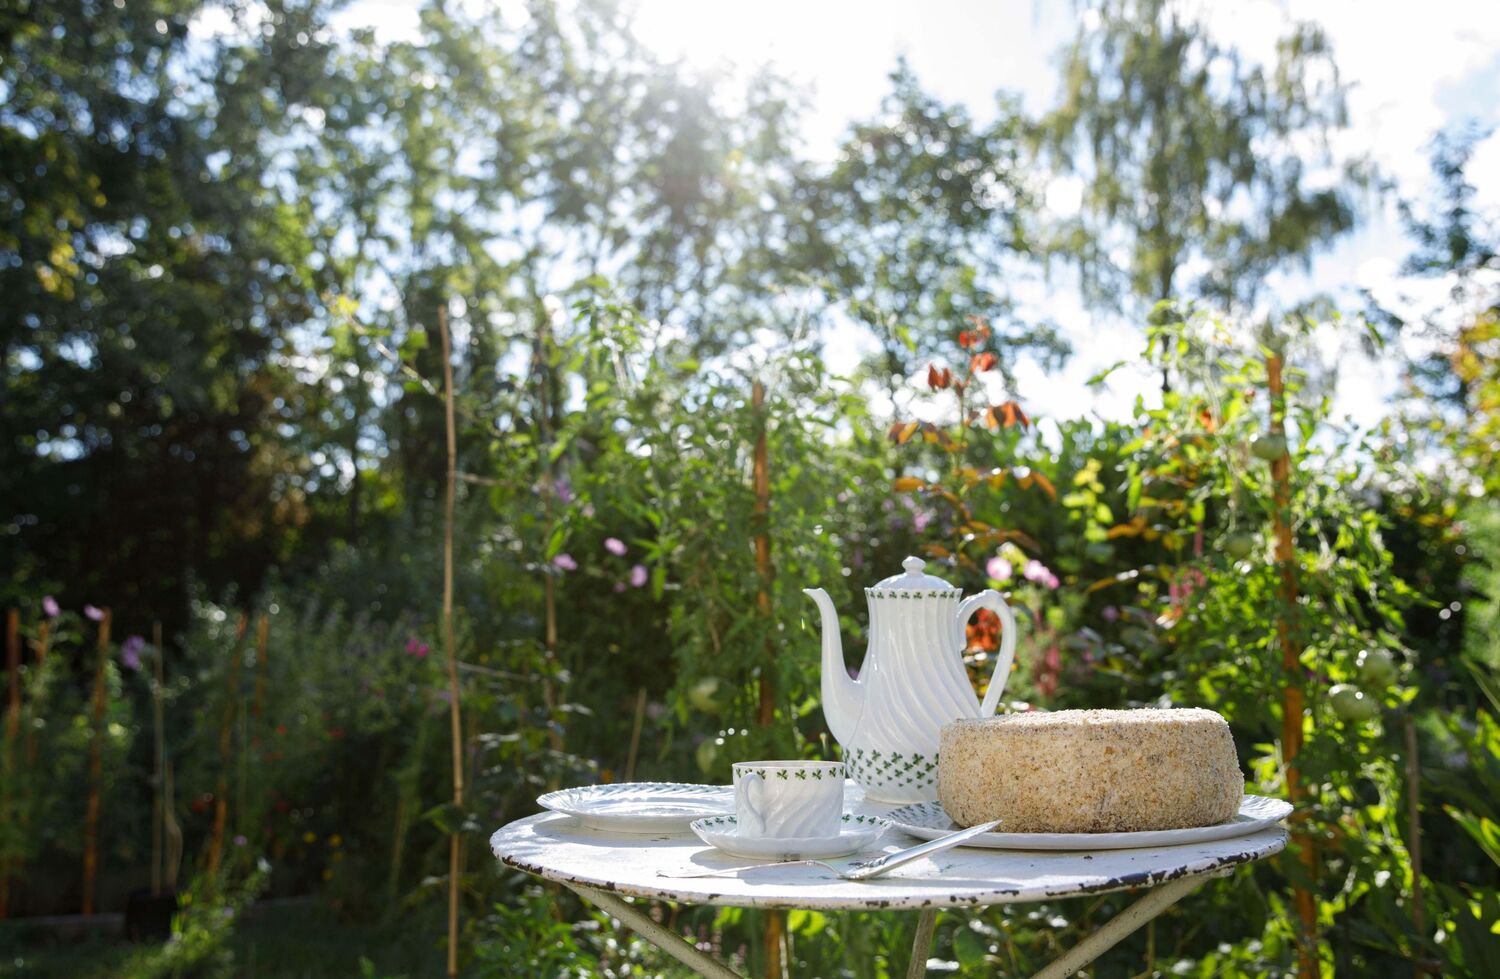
{"x": 915, "y": 579}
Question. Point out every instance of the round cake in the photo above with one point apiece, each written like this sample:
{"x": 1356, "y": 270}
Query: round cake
{"x": 1091, "y": 771}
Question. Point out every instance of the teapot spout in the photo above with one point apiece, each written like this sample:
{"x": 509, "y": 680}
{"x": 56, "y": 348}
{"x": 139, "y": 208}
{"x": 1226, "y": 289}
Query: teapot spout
{"x": 843, "y": 696}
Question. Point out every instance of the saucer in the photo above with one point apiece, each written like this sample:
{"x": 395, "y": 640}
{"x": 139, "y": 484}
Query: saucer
{"x": 640, "y": 807}
{"x": 855, "y": 833}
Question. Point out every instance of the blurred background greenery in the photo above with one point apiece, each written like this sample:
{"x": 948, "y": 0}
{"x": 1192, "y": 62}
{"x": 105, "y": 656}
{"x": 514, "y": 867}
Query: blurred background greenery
{"x": 233, "y": 233}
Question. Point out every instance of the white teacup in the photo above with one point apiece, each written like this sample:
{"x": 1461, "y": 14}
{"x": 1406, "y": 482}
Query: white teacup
{"x": 788, "y": 799}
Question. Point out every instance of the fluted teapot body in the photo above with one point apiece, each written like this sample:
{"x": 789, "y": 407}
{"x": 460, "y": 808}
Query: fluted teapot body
{"x": 912, "y": 681}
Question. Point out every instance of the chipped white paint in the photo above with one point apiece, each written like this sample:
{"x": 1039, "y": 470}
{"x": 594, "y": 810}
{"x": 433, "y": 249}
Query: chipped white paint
{"x": 557, "y": 847}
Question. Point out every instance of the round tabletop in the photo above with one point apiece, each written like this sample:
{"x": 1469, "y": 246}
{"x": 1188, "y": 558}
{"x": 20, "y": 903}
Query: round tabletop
{"x": 556, "y": 847}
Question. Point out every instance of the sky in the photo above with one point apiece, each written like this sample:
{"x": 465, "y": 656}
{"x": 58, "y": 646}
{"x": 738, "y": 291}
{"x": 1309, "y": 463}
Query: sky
{"x": 1413, "y": 69}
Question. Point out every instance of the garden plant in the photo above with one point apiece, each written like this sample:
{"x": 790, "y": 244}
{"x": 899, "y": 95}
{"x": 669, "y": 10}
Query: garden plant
{"x": 398, "y": 427}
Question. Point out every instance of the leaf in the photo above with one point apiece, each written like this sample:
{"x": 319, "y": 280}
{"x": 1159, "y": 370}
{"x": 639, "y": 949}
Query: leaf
{"x": 1012, "y": 414}
{"x": 1484, "y": 831}
{"x": 1103, "y": 375}
{"x": 907, "y": 484}
{"x": 1045, "y": 484}
{"x": 983, "y": 362}
{"x": 968, "y": 947}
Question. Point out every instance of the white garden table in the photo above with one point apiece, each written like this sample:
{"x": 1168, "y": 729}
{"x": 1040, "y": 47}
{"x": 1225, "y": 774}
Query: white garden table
{"x": 605, "y": 868}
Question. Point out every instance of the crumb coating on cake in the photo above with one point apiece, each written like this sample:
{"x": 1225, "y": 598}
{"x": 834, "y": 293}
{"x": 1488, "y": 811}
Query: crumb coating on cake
{"x": 1091, "y": 771}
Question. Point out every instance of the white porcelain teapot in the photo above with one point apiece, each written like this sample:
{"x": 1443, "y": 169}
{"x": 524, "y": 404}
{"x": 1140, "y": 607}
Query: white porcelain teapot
{"x": 912, "y": 681}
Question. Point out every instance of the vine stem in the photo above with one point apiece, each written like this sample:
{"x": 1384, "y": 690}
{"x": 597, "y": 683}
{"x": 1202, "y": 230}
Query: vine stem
{"x": 1293, "y": 704}
{"x": 12, "y": 732}
{"x": 158, "y": 759}
{"x": 761, "y": 521}
{"x": 455, "y": 721}
{"x": 1414, "y": 836}
{"x": 96, "y": 767}
{"x": 226, "y": 747}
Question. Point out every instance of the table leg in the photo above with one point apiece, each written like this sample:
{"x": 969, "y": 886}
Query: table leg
{"x": 663, "y": 938}
{"x": 921, "y": 946}
{"x": 1157, "y": 900}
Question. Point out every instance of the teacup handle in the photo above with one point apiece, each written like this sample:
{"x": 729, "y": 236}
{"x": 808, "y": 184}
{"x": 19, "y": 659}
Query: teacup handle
{"x": 754, "y": 787}
{"x": 990, "y": 599}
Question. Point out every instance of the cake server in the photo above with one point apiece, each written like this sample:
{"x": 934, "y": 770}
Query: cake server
{"x": 862, "y": 869}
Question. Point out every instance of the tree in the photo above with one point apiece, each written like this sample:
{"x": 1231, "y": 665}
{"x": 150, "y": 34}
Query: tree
{"x": 1202, "y": 173}
{"x": 1458, "y": 241}
{"x": 151, "y": 280}
{"x": 918, "y": 223}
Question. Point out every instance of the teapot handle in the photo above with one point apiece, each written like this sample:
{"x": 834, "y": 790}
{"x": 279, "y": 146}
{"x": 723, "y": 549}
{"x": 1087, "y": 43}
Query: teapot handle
{"x": 990, "y": 599}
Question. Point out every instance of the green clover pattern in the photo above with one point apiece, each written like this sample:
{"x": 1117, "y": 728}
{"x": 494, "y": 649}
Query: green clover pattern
{"x": 892, "y": 768}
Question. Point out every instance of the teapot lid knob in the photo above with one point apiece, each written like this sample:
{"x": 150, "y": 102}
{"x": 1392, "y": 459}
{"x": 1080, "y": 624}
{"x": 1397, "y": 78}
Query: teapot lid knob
{"x": 915, "y": 579}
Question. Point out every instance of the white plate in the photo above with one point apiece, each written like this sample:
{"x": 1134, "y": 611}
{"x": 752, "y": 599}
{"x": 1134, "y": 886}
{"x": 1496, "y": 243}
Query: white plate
{"x": 641, "y": 807}
{"x": 928, "y": 821}
{"x": 856, "y": 833}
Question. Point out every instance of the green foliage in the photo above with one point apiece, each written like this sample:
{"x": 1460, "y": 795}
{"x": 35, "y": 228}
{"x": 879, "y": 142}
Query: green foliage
{"x": 921, "y": 223}
{"x": 1193, "y": 158}
{"x": 150, "y": 289}
{"x": 198, "y": 946}
{"x": 227, "y": 259}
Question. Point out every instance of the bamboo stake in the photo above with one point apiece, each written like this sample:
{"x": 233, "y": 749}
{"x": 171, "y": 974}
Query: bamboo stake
{"x": 262, "y": 641}
{"x": 173, "y": 829}
{"x": 39, "y": 648}
{"x": 96, "y": 767}
{"x": 452, "y": 655}
{"x": 158, "y": 759}
{"x": 542, "y": 368}
{"x": 1414, "y": 844}
{"x": 1292, "y": 701}
{"x": 635, "y": 735}
{"x": 12, "y": 732}
{"x": 226, "y": 747}
{"x": 13, "y": 673}
{"x": 761, "y": 521}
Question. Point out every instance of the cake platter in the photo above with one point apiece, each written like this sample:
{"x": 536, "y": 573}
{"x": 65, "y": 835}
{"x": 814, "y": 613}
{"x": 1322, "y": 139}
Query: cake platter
{"x": 928, "y": 821}
{"x": 641, "y": 807}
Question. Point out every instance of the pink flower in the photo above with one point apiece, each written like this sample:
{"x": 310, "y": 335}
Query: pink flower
{"x": 638, "y": 576}
{"x": 1035, "y": 571}
{"x": 619, "y": 586}
{"x": 417, "y": 647}
{"x": 614, "y": 546}
{"x": 565, "y": 562}
{"x": 130, "y": 652}
{"x": 1051, "y": 581}
{"x": 1110, "y": 613}
{"x": 93, "y": 613}
{"x": 49, "y": 606}
{"x": 999, "y": 569}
